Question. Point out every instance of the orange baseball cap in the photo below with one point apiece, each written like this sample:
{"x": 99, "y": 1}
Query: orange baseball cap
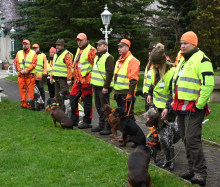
{"x": 35, "y": 46}
{"x": 125, "y": 42}
{"x": 26, "y": 42}
{"x": 81, "y": 36}
{"x": 190, "y": 37}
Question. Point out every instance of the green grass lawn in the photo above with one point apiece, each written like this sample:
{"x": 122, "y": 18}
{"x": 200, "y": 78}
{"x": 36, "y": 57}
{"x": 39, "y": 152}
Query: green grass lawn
{"x": 34, "y": 153}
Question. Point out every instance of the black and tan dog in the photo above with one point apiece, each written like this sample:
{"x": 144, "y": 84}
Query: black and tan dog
{"x": 138, "y": 164}
{"x": 58, "y": 115}
{"x": 168, "y": 135}
{"x": 113, "y": 121}
{"x": 129, "y": 127}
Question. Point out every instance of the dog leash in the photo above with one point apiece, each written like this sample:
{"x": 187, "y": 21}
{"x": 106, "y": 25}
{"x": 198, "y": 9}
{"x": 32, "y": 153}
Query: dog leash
{"x": 185, "y": 134}
{"x": 129, "y": 108}
{"x": 117, "y": 140}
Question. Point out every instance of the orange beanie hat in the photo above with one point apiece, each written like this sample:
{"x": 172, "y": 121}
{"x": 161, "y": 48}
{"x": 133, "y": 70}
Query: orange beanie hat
{"x": 190, "y": 37}
{"x": 52, "y": 50}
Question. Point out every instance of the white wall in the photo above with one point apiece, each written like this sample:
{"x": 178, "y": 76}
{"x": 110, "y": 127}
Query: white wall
{"x": 5, "y": 48}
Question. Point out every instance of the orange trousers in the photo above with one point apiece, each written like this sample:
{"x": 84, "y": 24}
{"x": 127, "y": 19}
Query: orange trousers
{"x": 26, "y": 84}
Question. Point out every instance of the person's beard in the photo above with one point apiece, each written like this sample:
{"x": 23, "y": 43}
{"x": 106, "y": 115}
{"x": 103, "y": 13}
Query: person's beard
{"x": 25, "y": 49}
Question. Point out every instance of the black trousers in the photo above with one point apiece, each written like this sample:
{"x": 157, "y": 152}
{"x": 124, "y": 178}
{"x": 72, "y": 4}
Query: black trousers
{"x": 121, "y": 102}
{"x": 193, "y": 142}
{"x": 51, "y": 88}
{"x": 100, "y": 100}
{"x": 40, "y": 86}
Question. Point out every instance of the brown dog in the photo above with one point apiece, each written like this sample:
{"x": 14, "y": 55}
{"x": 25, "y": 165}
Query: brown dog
{"x": 112, "y": 120}
{"x": 138, "y": 163}
{"x": 58, "y": 115}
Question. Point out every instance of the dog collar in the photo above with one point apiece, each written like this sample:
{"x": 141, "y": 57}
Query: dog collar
{"x": 151, "y": 132}
{"x": 111, "y": 112}
{"x": 53, "y": 104}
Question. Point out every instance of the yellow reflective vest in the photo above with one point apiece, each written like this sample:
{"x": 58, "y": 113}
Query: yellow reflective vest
{"x": 59, "y": 67}
{"x": 40, "y": 64}
{"x": 147, "y": 79}
{"x": 161, "y": 92}
{"x": 26, "y": 62}
{"x": 98, "y": 72}
{"x": 84, "y": 64}
{"x": 189, "y": 84}
{"x": 121, "y": 78}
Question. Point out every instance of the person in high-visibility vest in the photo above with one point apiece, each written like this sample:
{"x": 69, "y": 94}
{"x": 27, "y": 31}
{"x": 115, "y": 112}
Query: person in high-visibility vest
{"x": 193, "y": 83}
{"x": 51, "y": 87}
{"x": 40, "y": 70}
{"x": 25, "y": 62}
{"x": 62, "y": 70}
{"x": 102, "y": 84}
{"x": 82, "y": 69}
{"x": 161, "y": 82}
{"x": 126, "y": 78}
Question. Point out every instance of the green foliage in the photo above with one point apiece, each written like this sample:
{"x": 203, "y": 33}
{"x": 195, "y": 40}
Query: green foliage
{"x": 207, "y": 27}
{"x": 173, "y": 20}
{"x": 49, "y": 20}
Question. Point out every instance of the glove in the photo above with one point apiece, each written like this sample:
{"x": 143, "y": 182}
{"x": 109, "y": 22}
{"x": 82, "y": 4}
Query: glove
{"x": 44, "y": 77}
{"x": 139, "y": 92}
{"x": 129, "y": 97}
{"x": 197, "y": 109}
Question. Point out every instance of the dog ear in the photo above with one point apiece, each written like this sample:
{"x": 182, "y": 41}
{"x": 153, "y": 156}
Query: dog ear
{"x": 121, "y": 112}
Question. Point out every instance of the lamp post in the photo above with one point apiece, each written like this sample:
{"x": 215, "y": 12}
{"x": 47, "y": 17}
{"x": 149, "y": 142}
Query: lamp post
{"x": 12, "y": 31}
{"x": 2, "y": 24}
{"x": 106, "y": 18}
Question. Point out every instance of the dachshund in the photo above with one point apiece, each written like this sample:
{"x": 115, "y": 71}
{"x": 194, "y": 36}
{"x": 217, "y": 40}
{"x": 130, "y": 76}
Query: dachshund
{"x": 112, "y": 120}
{"x": 168, "y": 134}
{"x": 129, "y": 127}
{"x": 138, "y": 164}
{"x": 58, "y": 115}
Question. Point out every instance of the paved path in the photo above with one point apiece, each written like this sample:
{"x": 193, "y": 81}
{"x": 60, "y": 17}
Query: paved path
{"x": 212, "y": 153}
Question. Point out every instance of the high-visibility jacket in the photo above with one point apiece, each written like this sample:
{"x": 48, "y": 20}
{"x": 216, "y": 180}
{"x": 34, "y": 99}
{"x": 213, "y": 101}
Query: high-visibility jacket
{"x": 189, "y": 84}
{"x": 25, "y": 63}
{"x": 121, "y": 74}
{"x": 179, "y": 55}
{"x": 40, "y": 64}
{"x": 161, "y": 92}
{"x": 147, "y": 79}
{"x": 193, "y": 83}
{"x": 84, "y": 64}
{"x": 49, "y": 67}
{"x": 59, "y": 67}
{"x": 98, "y": 72}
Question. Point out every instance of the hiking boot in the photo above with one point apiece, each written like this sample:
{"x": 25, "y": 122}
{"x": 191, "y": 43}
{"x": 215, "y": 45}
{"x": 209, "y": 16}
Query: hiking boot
{"x": 85, "y": 126}
{"x": 187, "y": 175}
{"x": 198, "y": 179}
{"x": 97, "y": 129}
{"x": 107, "y": 130}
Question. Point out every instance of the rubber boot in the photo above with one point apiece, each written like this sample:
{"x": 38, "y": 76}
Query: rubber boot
{"x": 99, "y": 128}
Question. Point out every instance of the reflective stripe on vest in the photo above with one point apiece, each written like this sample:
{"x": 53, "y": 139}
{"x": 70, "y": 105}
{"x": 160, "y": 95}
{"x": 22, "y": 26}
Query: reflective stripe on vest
{"x": 122, "y": 80}
{"x": 98, "y": 72}
{"x": 49, "y": 66}
{"x": 40, "y": 64}
{"x": 162, "y": 94}
{"x": 84, "y": 64}
{"x": 59, "y": 67}
{"x": 28, "y": 60}
{"x": 147, "y": 79}
{"x": 188, "y": 82}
